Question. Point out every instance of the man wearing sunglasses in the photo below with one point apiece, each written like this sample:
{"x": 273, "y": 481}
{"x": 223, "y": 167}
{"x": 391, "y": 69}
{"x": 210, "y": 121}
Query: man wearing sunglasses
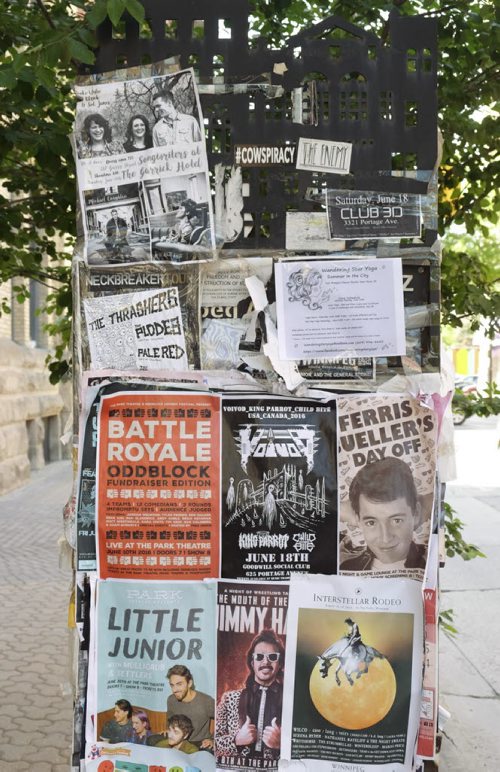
{"x": 248, "y": 721}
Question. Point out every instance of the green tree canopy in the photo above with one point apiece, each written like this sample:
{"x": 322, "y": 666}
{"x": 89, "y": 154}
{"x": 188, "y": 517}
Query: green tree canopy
{"x": 44, "y": 42}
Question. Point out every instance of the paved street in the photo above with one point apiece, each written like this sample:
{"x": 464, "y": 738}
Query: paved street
{"x": 35, "y": 701}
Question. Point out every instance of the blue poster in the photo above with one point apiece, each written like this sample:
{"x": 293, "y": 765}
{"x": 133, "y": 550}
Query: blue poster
{"x": 155, "y": 676}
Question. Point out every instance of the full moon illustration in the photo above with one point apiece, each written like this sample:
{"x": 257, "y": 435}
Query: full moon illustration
{"x": 359, "y": 706}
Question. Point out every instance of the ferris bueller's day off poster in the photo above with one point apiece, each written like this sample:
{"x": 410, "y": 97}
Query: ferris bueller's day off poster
{"x": 386, "y": 467}
{"x": 353, "y": 673}
{"x": 158, "y": 486}
{"x": 279, "y": 493}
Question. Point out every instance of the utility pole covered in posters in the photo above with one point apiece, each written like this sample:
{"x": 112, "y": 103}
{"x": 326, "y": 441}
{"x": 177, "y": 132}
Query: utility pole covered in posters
{"x": 258, "y": 379}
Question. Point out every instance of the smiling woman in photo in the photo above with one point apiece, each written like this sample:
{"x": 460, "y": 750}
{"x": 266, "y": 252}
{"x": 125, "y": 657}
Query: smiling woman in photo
{"x": 97, "y": 138}
{"x": 138, "y": 134}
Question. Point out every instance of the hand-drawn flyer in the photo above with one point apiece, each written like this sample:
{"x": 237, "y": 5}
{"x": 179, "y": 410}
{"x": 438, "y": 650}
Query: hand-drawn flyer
{"x": 353, "y": 674}
{"x": 386, "y": 470}
{"x": 279, "y": 495}
{"x": 340, "y": 308}
{"x": 158, "y": 458}
{"x": 142, "y": 171}
{"x": 100, "y": 294}
{"x": 250, "y": 666}
{"x": 141, "y": 330}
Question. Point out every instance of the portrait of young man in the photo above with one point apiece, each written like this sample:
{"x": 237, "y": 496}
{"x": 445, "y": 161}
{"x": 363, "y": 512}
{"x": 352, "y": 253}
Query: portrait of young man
{"x": 384, "y": 499}
{"x": 197, "y": 706}
{"x": 172, "y": 126}
{"x": 119, "y": 729}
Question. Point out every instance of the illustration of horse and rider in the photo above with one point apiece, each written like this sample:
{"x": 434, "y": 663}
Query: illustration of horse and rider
{"x": 352, "y": 654}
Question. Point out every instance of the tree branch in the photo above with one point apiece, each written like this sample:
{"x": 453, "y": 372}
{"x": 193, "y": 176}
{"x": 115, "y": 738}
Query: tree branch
{"x": 49, "y": 21}
{"x": 45, "y": 13}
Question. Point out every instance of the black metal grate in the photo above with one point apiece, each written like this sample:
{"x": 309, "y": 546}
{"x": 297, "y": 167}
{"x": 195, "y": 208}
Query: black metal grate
{"x": 353, "y": 88}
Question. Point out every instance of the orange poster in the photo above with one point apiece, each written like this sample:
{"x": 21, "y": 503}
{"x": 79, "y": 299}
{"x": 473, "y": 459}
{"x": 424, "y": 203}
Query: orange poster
{"x": 158, "y": 485}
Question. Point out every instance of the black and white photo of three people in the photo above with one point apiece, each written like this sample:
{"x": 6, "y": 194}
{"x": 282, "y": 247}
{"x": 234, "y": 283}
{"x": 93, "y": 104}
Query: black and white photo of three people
{"x": 133, "y": 116}
{"x": 143, "y": 220}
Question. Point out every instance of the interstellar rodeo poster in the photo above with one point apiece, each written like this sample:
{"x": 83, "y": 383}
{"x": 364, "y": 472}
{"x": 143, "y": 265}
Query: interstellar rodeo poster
{"x": 279, "y": 487}
{"x": 353, "y": 674}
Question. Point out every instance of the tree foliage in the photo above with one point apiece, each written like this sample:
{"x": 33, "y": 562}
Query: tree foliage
{"x": 470, "y": 273}
{"x": 44, "y": 41}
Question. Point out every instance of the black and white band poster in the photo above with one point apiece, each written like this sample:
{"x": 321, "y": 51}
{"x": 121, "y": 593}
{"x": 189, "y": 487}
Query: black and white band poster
{"x": 323, "y": 371}
{"x": 85, "y": 501}
{"x": 279, "y": 487}
{"x": 353, "y": 675}
{"x": 356, "y": 214}
{"x": 251, "y": 638}
{"x": 140, "y": 330}
{"x": 153, "y": 303}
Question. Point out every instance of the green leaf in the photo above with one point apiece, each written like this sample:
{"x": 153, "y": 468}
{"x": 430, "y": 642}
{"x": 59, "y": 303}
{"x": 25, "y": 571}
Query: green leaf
{"x": 18, "y": 62}
{"x": 46, "y": 77}
{"x": 115, "y": 9}
{"x": 135, "y": 9}
{"x": 7, "y": 78}
{"x": 97, "y": 14}
{"x": 81, "y": 52}
{"x": 88, "y": 37}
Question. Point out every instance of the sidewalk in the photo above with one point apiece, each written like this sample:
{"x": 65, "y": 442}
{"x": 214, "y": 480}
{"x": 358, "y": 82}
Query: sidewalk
{"x": 470, "y": 664}
{"x": 35, "y": 714}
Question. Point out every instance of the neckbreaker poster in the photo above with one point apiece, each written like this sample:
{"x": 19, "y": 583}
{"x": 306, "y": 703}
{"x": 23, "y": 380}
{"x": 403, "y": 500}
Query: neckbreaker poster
{"x": 354, "y": 673}
{"x": 251, "y": 630}
{"x": 158, "y": 486}
{"x": 279, "y": 487}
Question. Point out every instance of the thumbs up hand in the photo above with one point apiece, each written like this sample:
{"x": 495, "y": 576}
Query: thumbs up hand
{"x": 247, "y": 733}
{"x": 271, "y": 735}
